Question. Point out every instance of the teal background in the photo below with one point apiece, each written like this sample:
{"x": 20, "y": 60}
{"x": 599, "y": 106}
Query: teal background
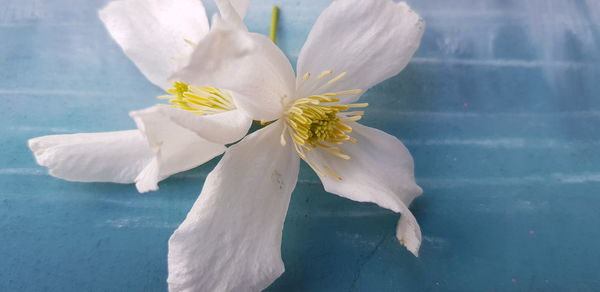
{"x": 499, "y": 108}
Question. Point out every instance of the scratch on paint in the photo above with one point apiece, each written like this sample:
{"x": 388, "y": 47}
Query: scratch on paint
{"x": 365, "y": 260}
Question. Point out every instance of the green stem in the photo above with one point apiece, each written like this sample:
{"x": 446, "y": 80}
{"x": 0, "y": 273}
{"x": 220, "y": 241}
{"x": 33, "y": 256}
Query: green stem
{"x": 274, "y": 18}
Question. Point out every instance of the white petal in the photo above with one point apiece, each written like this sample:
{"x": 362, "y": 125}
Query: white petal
{"x": 246, "y": 63}
{"x": 241, "y": 6}
{"x": 225, "y": 128}
{"x": 160, "y": 148}
{"x": 93, "y": 157}
{"x": 231, "y": 239}
{"x": 370, "y": 40}
{"x": 380, "y": 171}
{"x": 149, "y": 177}
{"x": 156, "y": 34}
{"x": 233, "y": 11}
{"x": 176, "y": 148}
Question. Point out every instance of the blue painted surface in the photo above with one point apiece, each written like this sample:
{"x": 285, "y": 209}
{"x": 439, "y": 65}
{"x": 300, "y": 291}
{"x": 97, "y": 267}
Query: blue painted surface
{"x": 500, "y": 109}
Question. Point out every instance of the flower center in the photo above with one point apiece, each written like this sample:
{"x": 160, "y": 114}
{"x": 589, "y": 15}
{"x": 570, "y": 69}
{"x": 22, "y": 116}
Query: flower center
{"x": 321, "y": 121}
{"x": 199, "y": 100}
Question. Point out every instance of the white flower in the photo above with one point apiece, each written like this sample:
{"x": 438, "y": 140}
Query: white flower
{"x": 158, "y": 36}
{"x": 230, "y": 240}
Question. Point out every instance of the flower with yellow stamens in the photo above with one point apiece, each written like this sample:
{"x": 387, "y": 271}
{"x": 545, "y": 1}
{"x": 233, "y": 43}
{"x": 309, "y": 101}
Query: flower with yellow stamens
{"x": 199, "y": 100}
{"x": 231, "y": 238}
{"x": 317, "y": 121}
{"x": 167, "y": 140}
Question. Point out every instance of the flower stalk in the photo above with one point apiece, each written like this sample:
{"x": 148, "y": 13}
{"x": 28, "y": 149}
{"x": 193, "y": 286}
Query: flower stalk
{"x": 274, "y": 20}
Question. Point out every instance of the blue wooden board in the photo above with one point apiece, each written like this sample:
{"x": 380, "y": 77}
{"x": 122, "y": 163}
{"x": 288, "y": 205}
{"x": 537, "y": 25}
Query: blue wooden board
{"x": 500, "y": 108}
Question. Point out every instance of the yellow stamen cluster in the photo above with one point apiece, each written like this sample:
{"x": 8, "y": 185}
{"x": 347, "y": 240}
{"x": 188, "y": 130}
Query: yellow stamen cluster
{"x": 317, "y": 121}
{"x": 199, "y": 100}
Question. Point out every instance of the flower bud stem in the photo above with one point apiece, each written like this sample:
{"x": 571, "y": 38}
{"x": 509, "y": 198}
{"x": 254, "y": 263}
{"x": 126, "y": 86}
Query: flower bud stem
{"x": 274, "y": 19}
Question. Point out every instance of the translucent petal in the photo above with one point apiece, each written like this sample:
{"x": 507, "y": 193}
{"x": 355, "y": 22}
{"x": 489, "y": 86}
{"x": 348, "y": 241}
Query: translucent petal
{"x": 369, "y": 40}
{"x": 248, "y": 64}
{"x": 231, "y": 239}
{"x": 380, "y": 170}
{"x": 93, "y": 157}
{"x": 157, "y": 35}
{"x": 176, "y": 148}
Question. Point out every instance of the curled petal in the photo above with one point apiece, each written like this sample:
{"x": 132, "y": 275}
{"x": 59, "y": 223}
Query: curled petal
{"x": 369, "y": 40}
{"x": 380, "y": 170}
{"x": 175, "y": 148}
{"x": 233, "y": 11}
{"x": 159, "y": 148}
{"x": 225, "y": 128}
{"x": 240, "y": 6}
{"x": 248, "y": 64}
{"x": 93, "y": 157}
{"x": 231, "y": 239}
{"x": 157, "y": 35}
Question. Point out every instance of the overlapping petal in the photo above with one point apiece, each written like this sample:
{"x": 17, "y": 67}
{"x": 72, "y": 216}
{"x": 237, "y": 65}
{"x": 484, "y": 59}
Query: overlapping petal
{"x": 93, "y": 157}
{"x": 176, "y": 148}
{"x": 381, "y": 171}
{"x": 167, "y": 141}
{"x": 233, "y": 11}
{"x": 248, "y": 64}
{"x": 231, "y": 239}
{"x": 240, "y": 6}
{"x": 370, "y": 40}
{"x": 225, "y": 128}
{"x": 157, "y": 35}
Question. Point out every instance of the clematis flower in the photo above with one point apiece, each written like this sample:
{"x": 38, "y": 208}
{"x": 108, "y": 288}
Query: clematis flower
{"x": 158, "y": 36}
{"x": 231, "y": 238}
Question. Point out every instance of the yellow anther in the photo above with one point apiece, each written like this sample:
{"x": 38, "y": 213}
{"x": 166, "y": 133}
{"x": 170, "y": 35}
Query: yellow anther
{"x": 355, "y": 105}
{"x": 336, "y": 79}
{"x": 192, "y": 44}
{"x": 314, "y": 122}
{"x": 199, "y": 100}
{"x": 323, "y": 74}
{"x": 351, "y": 119}
{"x": 347, "y": 92}
{"x": 332, "y": 173}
